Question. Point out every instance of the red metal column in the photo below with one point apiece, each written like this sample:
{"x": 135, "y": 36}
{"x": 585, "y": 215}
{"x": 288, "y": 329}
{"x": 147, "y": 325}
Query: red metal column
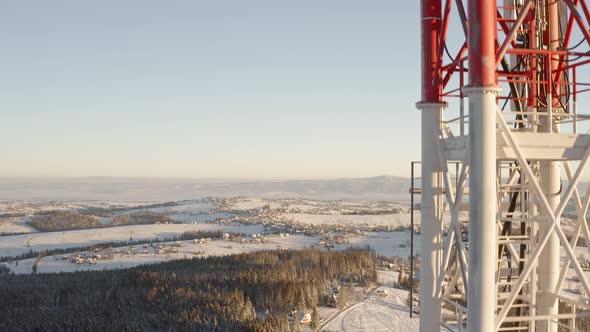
{"x": 482, "y": 43}
{"x": 431, "y": 20}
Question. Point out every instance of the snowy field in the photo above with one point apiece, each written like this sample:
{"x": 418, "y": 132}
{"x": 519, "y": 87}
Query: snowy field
{"x": 218, "y": 247}
{"x": 200, "y": 215}
{"x": 20, "y": 244}
{"x": 30, "y": 207}
{"x": 307, "y": 205}
{"x": 379, "y": 312}
{"x": 384, "y": 309}
{"x": 182, "y": 207}
{"x": 16, "y": 225}
{"x": 393, "y": 220}
{"x": 387, "y": 244}
{"x": 248, "y": 203}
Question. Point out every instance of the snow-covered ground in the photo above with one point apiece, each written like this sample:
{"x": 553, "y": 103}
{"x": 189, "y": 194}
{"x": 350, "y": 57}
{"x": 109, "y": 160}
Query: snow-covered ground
{"x": 20, "y": 244}
{"x": 16, "y": 225}
{"x": 200, "y": 214}
{"x": 387, "y": 244}
{"x": 384, "y": 309}
{"x": 30, "y": 207}
{"x": 248, "y": 203}
{"x": 379, "y": 312}
{"x": 217, "y": 247}
{"x": 312, "y": 206}
{"x": 185, "y": 207}
{"x": 193, "y": 211}
{"x": 200, "y": 217}
{"x": 393, "y": 220}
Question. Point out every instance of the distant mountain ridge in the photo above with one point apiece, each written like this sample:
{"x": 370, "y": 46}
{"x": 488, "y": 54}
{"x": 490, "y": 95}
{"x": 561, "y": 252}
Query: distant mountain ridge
{"x": 384, "y": 187}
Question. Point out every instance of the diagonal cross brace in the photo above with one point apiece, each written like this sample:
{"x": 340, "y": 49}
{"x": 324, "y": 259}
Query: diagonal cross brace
{"x": 454, "y": 201}
{"x": 552, "y": 219}
{"x": 581, "y": 222}
{"x": 510, "y": 36}
{"x": 576, "y": 14}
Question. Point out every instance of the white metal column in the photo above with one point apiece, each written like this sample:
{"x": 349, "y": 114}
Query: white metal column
{"x": 481, "y": 304}
{"x": 548, "y": 268}
{"x": 431, "y": 243}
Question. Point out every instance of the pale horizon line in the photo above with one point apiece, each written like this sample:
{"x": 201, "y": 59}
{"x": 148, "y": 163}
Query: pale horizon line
{"x": 164, "y": 177}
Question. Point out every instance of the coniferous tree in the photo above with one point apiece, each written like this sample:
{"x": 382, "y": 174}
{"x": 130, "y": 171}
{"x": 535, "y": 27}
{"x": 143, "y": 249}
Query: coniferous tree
{"x": 202, "y": 294}
{"x": 315, "y": 318}
{"x": 296, "y": 324}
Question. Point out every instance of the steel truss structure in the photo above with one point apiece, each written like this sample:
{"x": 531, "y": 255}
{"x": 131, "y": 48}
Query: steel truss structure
{"x": 522, "y": 157}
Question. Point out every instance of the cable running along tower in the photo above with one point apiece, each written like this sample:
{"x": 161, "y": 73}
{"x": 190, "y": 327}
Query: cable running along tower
{"x": 501, "y": 83}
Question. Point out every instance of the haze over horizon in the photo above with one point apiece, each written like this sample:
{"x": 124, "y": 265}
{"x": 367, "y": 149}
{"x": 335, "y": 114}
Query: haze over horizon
{"x": 379, "y": 188}
{"x": 197, "y": 89}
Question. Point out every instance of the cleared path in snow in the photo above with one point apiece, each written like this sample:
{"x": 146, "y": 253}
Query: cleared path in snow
{"x": 384, "y": 309}
{"x": 376, "y": 313}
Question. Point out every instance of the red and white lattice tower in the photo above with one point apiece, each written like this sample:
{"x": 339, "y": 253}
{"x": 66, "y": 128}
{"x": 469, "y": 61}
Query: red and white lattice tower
{"x": 522, "y": 155}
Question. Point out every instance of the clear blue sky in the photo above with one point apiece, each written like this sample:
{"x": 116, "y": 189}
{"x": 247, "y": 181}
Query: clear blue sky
{"x": 209, "y": 89}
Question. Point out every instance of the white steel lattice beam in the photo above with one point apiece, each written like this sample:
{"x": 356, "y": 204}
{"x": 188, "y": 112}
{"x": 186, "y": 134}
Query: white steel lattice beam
{"x": 502, "y": 199}
{"x": 582, "y": 208}
{"x": 552, "y": 217}
{"x": 581, "y": 221}
{"x": 454, "y": 202}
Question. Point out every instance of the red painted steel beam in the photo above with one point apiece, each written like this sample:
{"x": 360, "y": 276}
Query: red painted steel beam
{"x": 585, "y": 9}
{"x": 462, "y": 16}
{"x": 530, "y": 51}
{"x": 512, "y": 33}
{"x": 443, "y": 37}
{"x": 576, "y": 14}
{"x": 566, "y": 42}
{"x": 482, "y": 43}
{"x": 453, "y": 68}
{"x": 569, "y": 29}
{"x": 431, "y": 17}
{"x": 575, "y": 65}
{"x": 505, "y": 27}
{"x": 554, "y": 44}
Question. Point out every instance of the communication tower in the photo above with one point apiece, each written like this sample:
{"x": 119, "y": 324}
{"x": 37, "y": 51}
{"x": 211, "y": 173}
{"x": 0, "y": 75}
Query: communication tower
{"x": 501, "y": 84}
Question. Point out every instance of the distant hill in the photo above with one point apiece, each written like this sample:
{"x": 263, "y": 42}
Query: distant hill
{"x": 150, "y": 189}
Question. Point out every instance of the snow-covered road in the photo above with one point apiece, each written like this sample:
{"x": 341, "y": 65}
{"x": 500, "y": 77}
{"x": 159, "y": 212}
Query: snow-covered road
{"x": 384, "y": 309}
{"x": 376, "y": 313}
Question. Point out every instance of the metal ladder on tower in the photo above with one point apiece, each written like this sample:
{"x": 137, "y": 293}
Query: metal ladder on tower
{"x": 515, "y": 227}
